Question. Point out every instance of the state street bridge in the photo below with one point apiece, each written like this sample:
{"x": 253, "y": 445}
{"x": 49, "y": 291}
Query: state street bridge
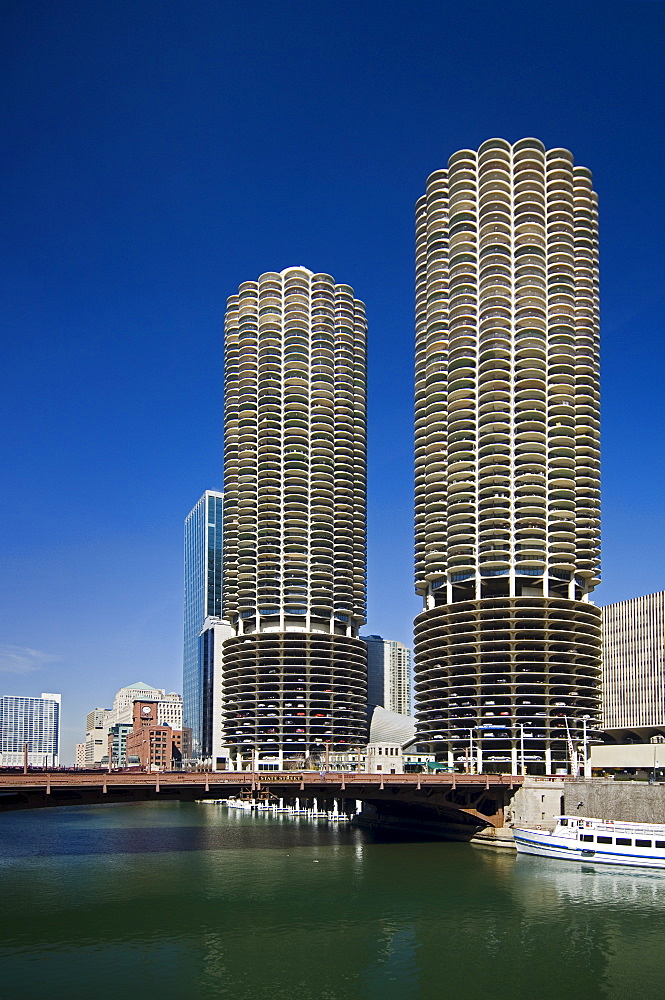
{"x": 462, "y": 803}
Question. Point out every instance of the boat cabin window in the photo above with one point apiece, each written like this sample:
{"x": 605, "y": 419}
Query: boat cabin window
{"x": 660, "y": 843}
{"x": 624, "y": 842}
{"x": 587, "y": 836}
{"x": 564, "y": 822}
{"x": 604, "y": 840}
{"x": 643, "y": 843}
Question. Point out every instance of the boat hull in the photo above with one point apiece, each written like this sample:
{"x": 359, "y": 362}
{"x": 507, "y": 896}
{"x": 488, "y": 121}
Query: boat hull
{"x": 545, "y": 845}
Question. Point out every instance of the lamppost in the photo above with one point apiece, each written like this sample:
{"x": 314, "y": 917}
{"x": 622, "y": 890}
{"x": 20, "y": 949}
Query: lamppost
{"x": 522, "y": 761}
{"x": 585, "y": 744}
{"x": 471, "y": 751}
{"x": 479, "y": 749}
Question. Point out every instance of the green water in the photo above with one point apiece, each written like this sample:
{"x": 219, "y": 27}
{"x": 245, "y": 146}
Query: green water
{"x": 194, "y": 901}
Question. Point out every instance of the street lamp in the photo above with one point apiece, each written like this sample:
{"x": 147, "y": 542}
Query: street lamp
{"x": 585, "y": 744}
{"x": 471, "y": 751}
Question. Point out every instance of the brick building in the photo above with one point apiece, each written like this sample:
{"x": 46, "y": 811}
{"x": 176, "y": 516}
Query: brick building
{"x": 156, "y": 747}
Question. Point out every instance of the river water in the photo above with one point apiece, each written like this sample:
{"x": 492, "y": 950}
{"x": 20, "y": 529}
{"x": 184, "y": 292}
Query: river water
{"x": 196, "y": 901}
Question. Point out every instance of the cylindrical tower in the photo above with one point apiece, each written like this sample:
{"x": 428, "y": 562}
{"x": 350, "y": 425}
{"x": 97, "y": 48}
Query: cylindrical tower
{"x": 294, "y": 515}
{"x": 507, "y": 455}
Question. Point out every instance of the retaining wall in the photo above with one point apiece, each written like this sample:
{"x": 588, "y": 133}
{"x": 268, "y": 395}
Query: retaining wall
{"x": 602, "y": 798}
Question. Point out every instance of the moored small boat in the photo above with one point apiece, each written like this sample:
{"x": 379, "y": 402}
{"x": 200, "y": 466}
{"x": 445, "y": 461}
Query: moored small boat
{"x": 602, "y": 841}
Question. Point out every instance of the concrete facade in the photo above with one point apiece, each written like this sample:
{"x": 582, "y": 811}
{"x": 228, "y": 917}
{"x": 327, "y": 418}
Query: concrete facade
{"x": 647, "y": 757}
{"x": 507, "y": 512}
{"x": 634, "y": 668}
{"x": 386, "y": 758}
{"x": 536, "y": 803}
{"x": 294, "y": 588}
{"x": 96, "y": 736}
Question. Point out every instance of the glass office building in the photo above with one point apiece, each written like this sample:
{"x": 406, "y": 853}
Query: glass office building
{"x": 203, "y": 600}
{"x": 34, "y": 722}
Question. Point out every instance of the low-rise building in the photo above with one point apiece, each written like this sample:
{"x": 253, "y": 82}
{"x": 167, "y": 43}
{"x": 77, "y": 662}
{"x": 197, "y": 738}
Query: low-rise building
{"x": 415, "y": 762}
{"x": 636, "y": 759}
{"x": 391, "y": 748}
{"x": 117, "y": 744}
{"x": 386, "y": 758}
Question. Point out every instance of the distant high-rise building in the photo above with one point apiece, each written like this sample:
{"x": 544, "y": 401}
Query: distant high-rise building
{"x": 294, "y": 515}
{"x": 96, "y": 736}
{"x": 203, "y": 600}
{"x": 79, "y": 759}
{"x": 101, "y": 721}
{"x": 169, "y": 709}
{"x": 376, "y": 673}
{"x": 169, "y": 704}
{"x": 634, "y": 668}
{"x": 388, "y": 674}
{"x": 34, "y": 722}
{"x": 507, "y": 649}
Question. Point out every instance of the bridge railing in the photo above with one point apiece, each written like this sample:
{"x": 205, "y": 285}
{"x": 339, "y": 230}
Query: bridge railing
{"x": 73, "y": 779}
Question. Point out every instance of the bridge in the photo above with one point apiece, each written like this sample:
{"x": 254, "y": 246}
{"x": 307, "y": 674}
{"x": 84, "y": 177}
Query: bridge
{"x": 464, "y": 803}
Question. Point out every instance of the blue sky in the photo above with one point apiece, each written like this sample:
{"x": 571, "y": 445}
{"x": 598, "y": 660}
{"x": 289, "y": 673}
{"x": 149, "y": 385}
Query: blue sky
{"x": 159, "y": 153}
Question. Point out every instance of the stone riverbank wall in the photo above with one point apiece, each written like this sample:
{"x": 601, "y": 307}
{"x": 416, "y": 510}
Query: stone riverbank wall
{"x": 602, "y": 798}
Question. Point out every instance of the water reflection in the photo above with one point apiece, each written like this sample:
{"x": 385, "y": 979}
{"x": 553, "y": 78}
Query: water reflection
{"x": 579, "y": 883}
{"x": 198, "y": 902}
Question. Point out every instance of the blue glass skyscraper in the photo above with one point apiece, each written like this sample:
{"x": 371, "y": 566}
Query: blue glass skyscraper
{"x": 203, "y": 600}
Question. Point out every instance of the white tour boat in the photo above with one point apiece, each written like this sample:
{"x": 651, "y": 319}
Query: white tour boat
{"x": 579, "y": 838}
